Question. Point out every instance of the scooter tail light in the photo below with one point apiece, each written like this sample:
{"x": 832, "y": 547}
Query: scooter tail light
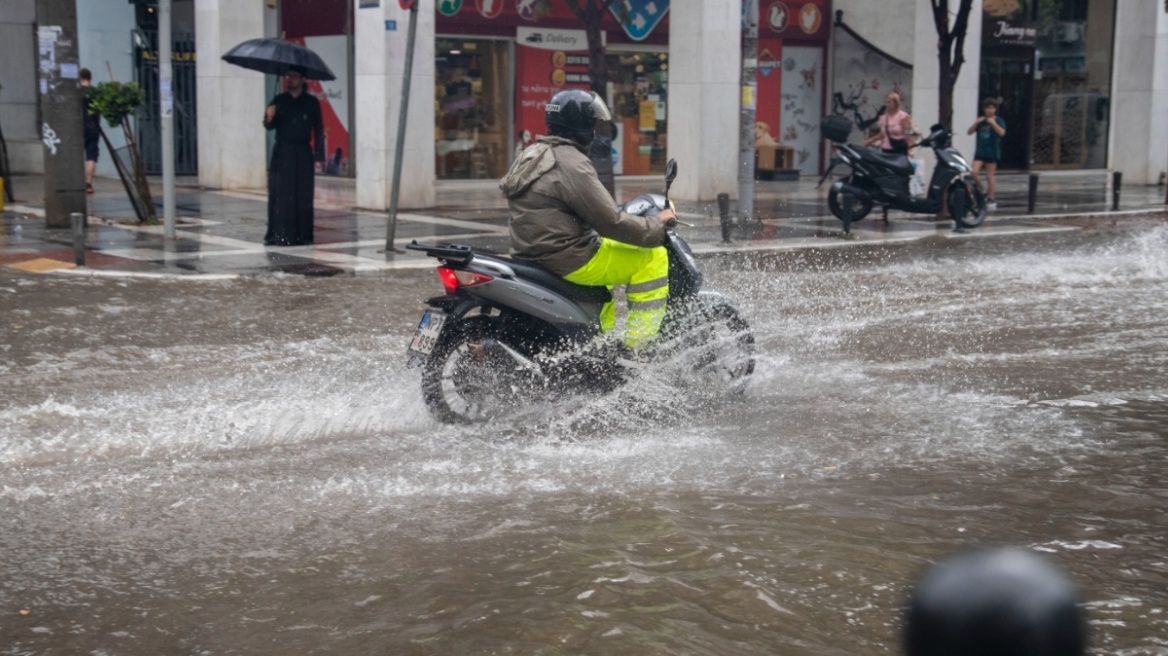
{"x": 449, "y": 279}
{"x": 453, "y": 279}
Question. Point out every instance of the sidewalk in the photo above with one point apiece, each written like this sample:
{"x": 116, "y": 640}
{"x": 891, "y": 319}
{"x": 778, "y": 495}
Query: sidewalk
{"x": 220, "y": 233}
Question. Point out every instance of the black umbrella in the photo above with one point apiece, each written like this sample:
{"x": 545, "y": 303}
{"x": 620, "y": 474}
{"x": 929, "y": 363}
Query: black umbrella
{"x": 277, "y": 57}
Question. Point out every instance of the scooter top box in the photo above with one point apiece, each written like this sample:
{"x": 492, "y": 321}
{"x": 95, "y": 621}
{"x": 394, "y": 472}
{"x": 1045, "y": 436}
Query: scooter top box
{"x": 836, "y": 128}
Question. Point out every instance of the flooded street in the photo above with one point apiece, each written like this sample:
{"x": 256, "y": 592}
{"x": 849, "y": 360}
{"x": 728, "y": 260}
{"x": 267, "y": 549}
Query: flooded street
{"x": 247, "y": 466}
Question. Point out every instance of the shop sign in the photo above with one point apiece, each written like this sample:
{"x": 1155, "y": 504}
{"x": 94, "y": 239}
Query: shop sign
{"x": 529, "y": 9}
{"x": 546, "y": 39}
{"x": 1004, "y": 32}
{"x": 794, "y": 19}
{"x": 766, "y": 62}
{"x": 643, "y": 16}
{"x": 778, "y": 17}
{"x": 810, "y": 18}
{"x": 448, "y": 7}
{"x": 489, "y": 8}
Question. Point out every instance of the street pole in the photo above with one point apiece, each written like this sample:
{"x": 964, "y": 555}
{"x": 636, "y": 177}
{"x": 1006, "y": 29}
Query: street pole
{"x": 399, "y": 147}
{"x": 58, "y": 70}
{"x": 166, "y": 99}
{"x": 747, "y": 117}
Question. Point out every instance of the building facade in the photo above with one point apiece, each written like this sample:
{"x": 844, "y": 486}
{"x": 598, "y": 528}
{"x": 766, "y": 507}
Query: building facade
{"x": 1082, "y": 84}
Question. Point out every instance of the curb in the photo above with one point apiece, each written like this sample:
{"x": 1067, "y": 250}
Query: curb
{"x": 85, "y": 272}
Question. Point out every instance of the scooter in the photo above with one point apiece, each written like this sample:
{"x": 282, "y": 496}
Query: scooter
{"x": 881, "y": 179}
{"x": 508, "y": 334}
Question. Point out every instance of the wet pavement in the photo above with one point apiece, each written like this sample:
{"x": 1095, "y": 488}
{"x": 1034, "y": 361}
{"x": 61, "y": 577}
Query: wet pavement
{"x": 246, "y": 466}
{"x": 220, "y": 233}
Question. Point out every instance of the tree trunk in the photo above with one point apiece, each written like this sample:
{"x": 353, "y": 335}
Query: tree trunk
{"x": 597, "y": 66}
{"x": 945, "y": 91}
{"x": 950, "y": 54}
{"x": 140, "y": 180}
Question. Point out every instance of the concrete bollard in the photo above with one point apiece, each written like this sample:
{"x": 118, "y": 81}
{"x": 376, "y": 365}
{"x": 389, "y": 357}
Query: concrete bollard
{"x": 78, "y": 221}
{"x": 1032, "y": 194}
{"x": 724, "y": 217}
{"x": 1116, "y": 184}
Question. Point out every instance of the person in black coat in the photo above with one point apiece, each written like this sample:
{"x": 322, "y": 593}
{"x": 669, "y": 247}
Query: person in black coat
{"x": 296, "y": 118}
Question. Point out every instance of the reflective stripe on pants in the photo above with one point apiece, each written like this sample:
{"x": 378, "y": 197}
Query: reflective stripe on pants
{"x": 645, "y": 271}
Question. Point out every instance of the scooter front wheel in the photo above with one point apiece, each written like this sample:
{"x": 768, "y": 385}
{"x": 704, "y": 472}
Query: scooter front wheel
{"x": 860, "y": 208}
{"x": 967, "y": 204}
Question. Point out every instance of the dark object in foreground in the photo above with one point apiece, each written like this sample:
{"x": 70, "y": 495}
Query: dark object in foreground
{"x": 1005, "y": 602}
{"x": 277, "y": 57}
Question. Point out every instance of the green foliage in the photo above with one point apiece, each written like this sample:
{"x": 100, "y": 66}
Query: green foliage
{"x": 115, "y": 101}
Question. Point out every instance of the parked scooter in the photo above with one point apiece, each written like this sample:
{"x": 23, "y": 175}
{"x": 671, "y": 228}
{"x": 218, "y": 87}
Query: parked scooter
{"x": 508, "y": 334}
{"x": 881, "y": 179}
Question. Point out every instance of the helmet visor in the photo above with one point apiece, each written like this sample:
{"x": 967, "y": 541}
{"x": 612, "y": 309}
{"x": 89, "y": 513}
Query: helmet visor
{"x": 599, "y": 109}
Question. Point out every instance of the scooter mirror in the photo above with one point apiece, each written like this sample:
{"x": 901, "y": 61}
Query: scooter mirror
{"x": 670, "y": 172}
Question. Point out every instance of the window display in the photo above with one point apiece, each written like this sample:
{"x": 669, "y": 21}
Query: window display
{"x": 638, "y": 91}
{"x": 471, "y": 107}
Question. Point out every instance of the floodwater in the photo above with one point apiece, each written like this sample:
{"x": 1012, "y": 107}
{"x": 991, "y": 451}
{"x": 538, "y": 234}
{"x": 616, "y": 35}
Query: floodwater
{"x": 246, "y": 467}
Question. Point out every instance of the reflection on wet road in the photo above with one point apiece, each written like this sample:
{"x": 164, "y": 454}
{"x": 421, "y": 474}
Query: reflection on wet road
{"x": 247, "y": 466}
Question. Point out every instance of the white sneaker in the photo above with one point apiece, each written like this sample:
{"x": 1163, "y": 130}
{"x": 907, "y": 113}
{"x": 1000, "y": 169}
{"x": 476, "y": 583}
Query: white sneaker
{"x": 991, "y": 204}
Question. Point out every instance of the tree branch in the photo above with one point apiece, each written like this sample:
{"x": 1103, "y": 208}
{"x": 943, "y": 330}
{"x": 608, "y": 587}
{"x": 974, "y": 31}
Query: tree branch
{"x": 959, "y": 28}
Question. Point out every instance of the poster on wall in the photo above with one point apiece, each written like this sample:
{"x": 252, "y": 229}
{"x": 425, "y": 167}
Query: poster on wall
{"x": 546, "y": 61}
{"x": 334, "y": 100}
{"x": 802, "y": 105}
{"x": 862, "y": 77}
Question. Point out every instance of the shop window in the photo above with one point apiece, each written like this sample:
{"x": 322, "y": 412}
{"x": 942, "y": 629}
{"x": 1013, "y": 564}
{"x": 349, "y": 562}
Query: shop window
{"x": 471, "y": 101}
{"x": 638, "y": 91}
{"x": 1072, "y": 84}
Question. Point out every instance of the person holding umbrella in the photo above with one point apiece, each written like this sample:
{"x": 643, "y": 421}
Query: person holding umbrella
{"x": 296, "y": 118}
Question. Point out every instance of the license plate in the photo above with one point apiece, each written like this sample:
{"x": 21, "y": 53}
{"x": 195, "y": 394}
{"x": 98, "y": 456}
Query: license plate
{"x": 429, "y": 329}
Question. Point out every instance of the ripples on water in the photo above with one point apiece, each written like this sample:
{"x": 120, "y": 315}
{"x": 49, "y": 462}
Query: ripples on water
{"x": 247, "y": 467}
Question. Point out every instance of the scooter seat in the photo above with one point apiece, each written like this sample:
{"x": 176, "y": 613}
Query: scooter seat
{"x": 899, "y": 164}
{"x": 545, "y": 278}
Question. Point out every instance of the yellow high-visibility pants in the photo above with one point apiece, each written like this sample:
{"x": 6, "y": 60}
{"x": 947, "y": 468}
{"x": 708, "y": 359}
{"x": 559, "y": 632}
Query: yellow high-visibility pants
{"x": 645, "y": 271}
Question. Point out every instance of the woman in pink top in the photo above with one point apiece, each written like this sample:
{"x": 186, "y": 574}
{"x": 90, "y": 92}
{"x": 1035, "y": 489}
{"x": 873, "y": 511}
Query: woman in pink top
{"x": 896, "y": 130}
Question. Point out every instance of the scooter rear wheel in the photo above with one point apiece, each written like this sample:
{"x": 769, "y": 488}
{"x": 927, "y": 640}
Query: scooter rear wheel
{"x": 860, "y": 208}
{"x": 472, "y": 377}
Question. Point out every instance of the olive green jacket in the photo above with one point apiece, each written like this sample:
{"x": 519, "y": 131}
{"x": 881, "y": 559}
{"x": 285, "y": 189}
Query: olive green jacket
{"x": 559, "y": 209}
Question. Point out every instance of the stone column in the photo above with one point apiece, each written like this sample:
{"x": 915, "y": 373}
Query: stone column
{"x": 705, "y": 61}
{"x": 230, "y": 99}
{"x": 18, "y": 76}
{"x": 380, "y": 64}
{"x": 1139, "y": 104}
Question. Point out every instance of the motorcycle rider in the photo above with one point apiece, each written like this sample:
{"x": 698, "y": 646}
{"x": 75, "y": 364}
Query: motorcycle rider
{"x": 564, "y": 220}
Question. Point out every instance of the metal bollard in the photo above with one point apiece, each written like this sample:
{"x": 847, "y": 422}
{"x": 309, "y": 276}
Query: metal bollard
{"x": 1116, "y": 183}
{"x": 78, "y": 221}
{"x": 724, "y": 216}
{"x": 846, "y": 199}
{"x": 1032, "y": 194}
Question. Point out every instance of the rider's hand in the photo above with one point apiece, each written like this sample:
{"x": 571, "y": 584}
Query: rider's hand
{"x": 667, "y": 216}
{"x": 269, "y": 113}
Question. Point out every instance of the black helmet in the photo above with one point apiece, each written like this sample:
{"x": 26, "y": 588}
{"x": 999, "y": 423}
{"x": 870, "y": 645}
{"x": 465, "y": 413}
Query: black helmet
{"x": 572, "y": 114}
{"x": 1004, "y": 602}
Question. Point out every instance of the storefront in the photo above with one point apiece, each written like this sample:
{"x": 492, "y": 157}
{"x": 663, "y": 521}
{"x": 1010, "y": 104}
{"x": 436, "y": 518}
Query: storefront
{"x": 497, "y": 64}
{"x": 1049, "y": 64}
{"x": 792, "y": 63}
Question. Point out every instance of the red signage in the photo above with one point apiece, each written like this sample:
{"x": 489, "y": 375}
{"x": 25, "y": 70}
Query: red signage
{"x": 489, "y": 8}
{"x": 804, "y": 20}
{"x": 407, "y": 4}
